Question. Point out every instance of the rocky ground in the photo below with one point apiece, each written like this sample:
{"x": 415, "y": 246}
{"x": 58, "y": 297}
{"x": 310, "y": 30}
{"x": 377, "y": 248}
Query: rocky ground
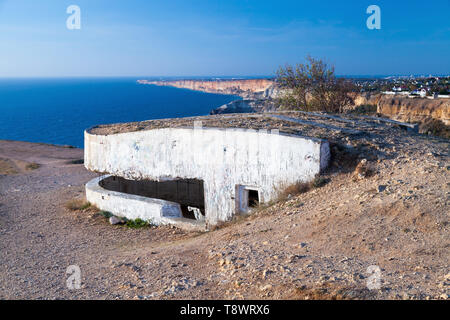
{"x": 378, "y": 229}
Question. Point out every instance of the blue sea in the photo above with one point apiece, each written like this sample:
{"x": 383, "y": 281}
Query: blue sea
{"x": 57, "y": 111}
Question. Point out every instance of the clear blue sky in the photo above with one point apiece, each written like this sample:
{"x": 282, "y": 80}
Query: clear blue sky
{"x": 228, "y": 37}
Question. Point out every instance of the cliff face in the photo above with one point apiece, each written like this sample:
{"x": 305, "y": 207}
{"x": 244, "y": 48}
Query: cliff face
{"x": 414, "y": 110}
{"x": 248, "y": 89}
{"x": 366, "y": 99}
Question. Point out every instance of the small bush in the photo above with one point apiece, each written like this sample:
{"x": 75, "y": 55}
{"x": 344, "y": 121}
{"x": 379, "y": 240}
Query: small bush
{"x": 77, "y": 161}
{"x": 133, "y": 224}
{"x": 105, "y": 214}
{"x": 33, "y": 166}
{"x": 137, "y": 223}
{"x": 319, "y": 182}
{"x": 78, "y": 205}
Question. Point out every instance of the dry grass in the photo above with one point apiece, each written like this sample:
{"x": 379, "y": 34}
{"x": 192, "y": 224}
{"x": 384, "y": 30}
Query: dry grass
{"x": 300, "y": 187}
{"x": 365, "y": 109}
{"x": 78, "y": 205}
{"x": 32, "y": 166}
{"x": 362, "y": 170}
{"x": 225, "y": 224}
{"x": 13, "y": 166}
{"x": 328, "y": 291}
{"x": 435, "y": 127}
{"x": 7, "y": 167}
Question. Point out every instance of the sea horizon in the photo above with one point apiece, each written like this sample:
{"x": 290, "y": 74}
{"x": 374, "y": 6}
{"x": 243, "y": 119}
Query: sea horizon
{"x": 58, "y": 110}
{"x": 218, "y": 77}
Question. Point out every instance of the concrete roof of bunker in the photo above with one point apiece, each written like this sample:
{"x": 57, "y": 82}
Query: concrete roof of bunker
{"x": 255, "y": 121}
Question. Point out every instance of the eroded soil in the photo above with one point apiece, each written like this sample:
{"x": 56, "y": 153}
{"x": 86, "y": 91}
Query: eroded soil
{"x": 316, "y": 245}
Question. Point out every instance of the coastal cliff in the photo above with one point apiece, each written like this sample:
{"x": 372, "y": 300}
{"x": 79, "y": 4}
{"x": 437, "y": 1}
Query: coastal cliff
{"x": 259, "y": 95}
{"x": 414, "y": 109}
{"x": 407, "y": 109}
{"x": 247, "y": 89}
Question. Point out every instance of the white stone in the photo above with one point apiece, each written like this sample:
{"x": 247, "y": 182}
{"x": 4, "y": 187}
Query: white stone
{"x": 115, "y": 220}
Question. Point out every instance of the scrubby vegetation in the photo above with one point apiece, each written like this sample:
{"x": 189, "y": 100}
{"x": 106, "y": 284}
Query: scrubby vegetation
{"x": 137, "y": 223}
{"x": 313, "y": 86}
{"x": 435, "y": 127}
{"x": 105, "y": 214}
{"x": 130, "y": 223}
{"x": 7, "y": 167}
{"x": 33, "y": 166}
{"x": 365, "y": 109}
{"x": 78, "y": 205}
{"x": 301, "y": 187}
{"x": 76, "y": 161}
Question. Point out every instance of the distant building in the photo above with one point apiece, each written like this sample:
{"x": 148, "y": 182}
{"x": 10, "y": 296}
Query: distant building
{"x": 423, "y": 93}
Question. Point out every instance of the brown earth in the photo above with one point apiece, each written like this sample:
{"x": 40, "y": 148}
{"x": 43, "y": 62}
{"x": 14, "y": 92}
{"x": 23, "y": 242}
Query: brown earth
{"x": 316, "y": 245}
{"x": 12, "y": 166}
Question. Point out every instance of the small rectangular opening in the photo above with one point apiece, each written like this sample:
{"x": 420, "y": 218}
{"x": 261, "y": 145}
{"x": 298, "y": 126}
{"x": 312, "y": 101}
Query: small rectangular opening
{"x": 253, "y": 198}
{"x": 247, "y": 198}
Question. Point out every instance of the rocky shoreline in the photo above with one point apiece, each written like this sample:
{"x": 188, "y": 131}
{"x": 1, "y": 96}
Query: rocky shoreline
{"x": 258, "y": 94}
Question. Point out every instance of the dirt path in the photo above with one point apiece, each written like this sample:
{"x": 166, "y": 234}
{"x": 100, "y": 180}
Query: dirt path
{"x": 316, "y": 245}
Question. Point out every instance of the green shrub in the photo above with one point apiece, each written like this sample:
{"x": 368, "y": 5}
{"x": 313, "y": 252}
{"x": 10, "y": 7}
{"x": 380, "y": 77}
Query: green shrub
{"x": 105, "y": 214}
{"x": 137, "y": 223}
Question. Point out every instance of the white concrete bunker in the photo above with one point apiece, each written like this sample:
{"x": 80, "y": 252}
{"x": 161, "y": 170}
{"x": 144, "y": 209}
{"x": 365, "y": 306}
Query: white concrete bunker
{"x": 194, "y": 175}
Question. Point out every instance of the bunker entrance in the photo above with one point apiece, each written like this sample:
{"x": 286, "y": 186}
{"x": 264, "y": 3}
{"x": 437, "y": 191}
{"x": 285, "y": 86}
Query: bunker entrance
{"x": 253, "y": 198}
{"x": 247, "y": 198}
{"x": 189, "y": 193}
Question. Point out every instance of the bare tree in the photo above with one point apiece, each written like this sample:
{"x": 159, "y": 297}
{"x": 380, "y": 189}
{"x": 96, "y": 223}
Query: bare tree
{"x": 313, "y": 86}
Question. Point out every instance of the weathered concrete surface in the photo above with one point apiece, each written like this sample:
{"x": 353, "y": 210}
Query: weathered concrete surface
{"x": 223, "y": 158}
{"x": 313, "y": 123}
